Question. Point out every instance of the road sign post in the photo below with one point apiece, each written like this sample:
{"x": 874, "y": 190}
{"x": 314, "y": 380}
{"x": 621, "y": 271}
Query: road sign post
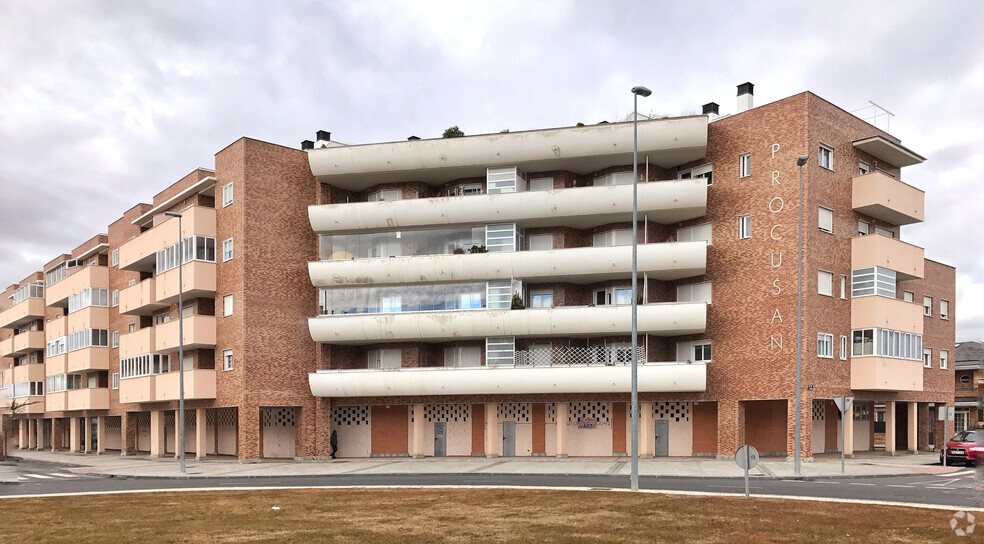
{"x": 746, "y": 457}
{"x": 843, "y": 403}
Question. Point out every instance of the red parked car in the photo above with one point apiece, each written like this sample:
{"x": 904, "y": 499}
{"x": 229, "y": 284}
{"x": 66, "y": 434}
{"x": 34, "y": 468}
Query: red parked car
{"x": 965, "y": 447}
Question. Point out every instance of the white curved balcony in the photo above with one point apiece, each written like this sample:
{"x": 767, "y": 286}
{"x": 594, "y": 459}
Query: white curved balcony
{"x": 668, "y": 261}
{"x": 665, "y": 319}
{"x": 580, "y": 207}
{"x": 653, "y": 378}
{"x": 667, "y": 142}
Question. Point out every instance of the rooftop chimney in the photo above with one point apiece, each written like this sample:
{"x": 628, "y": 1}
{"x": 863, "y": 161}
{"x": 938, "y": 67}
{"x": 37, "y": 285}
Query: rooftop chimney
{"x": 307, "y": 144}
{"x": 745, "y": 95}
{"x": 323, "y": 135}
{"x": 711, "y": 110}
{"x": 412, "y": 138}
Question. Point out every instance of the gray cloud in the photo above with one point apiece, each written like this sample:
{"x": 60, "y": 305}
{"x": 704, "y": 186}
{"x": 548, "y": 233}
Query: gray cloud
{"x": 103, "y": 104}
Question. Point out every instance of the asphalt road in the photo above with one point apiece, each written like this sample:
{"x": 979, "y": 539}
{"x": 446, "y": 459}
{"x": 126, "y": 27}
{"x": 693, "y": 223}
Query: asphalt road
{"x": 964, "y": 488}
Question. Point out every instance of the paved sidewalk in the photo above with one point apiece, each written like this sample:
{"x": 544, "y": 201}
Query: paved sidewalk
{"x": 824, "y": 466}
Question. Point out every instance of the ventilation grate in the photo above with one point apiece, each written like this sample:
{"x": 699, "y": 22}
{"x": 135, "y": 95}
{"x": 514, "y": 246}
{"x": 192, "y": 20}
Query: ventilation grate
{"x": 677, "y": 411}
{"x": 349, "y": 415}
{"x": 513, "y": 411}
{"x": 600, "y": 412}
{"x": 446, "y": 412}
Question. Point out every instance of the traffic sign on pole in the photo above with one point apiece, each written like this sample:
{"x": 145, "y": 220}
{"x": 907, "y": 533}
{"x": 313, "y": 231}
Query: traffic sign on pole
{"x": 843, "y": 403}
{"x": 746, "y": 457}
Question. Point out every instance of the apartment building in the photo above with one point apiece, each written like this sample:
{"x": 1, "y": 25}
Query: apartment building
{"x": 471, "y": 296}
{"x": 968, "y": 381}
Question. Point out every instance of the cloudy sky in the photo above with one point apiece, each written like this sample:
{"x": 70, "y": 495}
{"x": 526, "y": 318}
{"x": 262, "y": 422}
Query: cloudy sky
{"x": 103, "y": 104}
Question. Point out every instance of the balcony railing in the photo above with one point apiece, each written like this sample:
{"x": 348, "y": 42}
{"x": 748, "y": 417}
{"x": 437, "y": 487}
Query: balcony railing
{"x": 578, "y": 356}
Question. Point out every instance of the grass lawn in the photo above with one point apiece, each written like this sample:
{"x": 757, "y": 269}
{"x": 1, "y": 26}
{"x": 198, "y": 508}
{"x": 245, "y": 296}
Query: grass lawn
{"x": 457, "y": 515}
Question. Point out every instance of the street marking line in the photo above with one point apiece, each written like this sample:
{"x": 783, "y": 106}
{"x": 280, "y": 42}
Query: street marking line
{"x": 859, "y": 483}
{"x": 39, "y": 476}
{"x": 64, "y": 475}
{"x": 896, "y": 485}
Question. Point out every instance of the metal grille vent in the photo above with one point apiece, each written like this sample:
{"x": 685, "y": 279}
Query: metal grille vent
{"x": 143, "y": 420}
{"x": 169, "y": 419}
{"x": 209, "y": 418}
{"x": 446, "y": 412}
{"x": 279, "y": 417}
{"x": 677, "y": 411}
{"x": 349, "y": 415}
{"x": 819, "y": 410}
{"x": 226, "y": 417}
{"x": 550, "y": 413}
{"x": 601, "y": 412}
{"x": 113, "y": 422}
{"x": 513, "y": 411}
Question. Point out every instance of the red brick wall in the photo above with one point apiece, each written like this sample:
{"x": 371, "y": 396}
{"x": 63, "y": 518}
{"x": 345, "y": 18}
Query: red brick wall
{"x": 390, "y": 430}
{"x": 539, "y": 432}
{"x": 619, "y": 420}
{"x": 705, "y": 427}
{"x": 765, "y": 425}
{"x": 478, "y": 428}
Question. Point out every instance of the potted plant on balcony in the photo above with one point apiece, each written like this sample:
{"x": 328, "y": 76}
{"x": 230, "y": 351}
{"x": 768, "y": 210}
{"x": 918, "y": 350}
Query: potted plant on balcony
{"x": 517, "y": 302}
{"x": 478, "y": 249}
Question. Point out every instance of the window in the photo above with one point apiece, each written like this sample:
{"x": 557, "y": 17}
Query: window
{"x": 541, "y": 184}
{"x": 614, "y": 178}
{"x": 192, "y": 248}
{"x": 825, "y": 345}
{"x": 889, "y": 233}
{"x": 928, "y": 358}
{"x": 873, "y": 280}
{"x": 611, "y": 238}
{"x": 116, "y": 380}
{"x": 843, "y": 286}
{"x": 116, "y": 339}
{"x": 148, "y": 364}
{"x": 694, "y": 292}
{"x": 56, "y": 274}
{"x": 115, "y": 257}
{"x": 826, "y": 220}
{"x": 928, "y": 306}
{"x": 464, "y": 356}
{"x": 843, "y": 348}
{"x": 227, "y": 359}
{"x": 907, "y": 296}
{"x": 826, "y": 157}
{"x": 162, "y": 318}
{"x": 406, "y": 298}
{"x": 744, "y": 165}
{"x": 116, "y": 298}
{"x": 824, "y": 280}
{"x": 863, "y": 168}
{"x": 227, "y": 305}
{"x": 132, "y": 327}
{"x": 90, "y": 296}
{"x": 943, "y": 359}
{"x": 944, "y": 309}
{"x": 226, "y": 194}
{"x": 744, "y": 226}
{"x": 862, "y": 228}
{"x": 499, "y": 294}
{"x": 541, "y": 242}
{"x": 887, "y": 343}
{"x": 965, "y": 379}
{"x": 226, "y": 249}
{"x": 694, "y": 233}
{"x": 385, "y": 195}
{"x": 613, "y": 296}
{"x": 500, "y": 351}
{"x": 698, "y": 351}
{"x": 541, "y": 299}
{"x": 467, "y": 189}
{"x": 699, "y": 172}
{"x": 504, "y": 237}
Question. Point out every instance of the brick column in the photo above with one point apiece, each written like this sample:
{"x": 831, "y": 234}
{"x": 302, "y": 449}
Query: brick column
{"x": 890, "y": 427}
{"x": 563, "y": 412}
{"x": 157, "y": 433}
{"x": 101, "y": 435}
{"x": 200, "y": 435}
{"x": 321, "y": 428}
{"x": 731, "y": 423}
{"x": 418, "y": 431}
{"x": 849, "y": 431}
{"x": 57, "y": 432}
{"x": 87, "y": 429}
{"x": 913, "y": 420}
{"x": 647, "y": 444}
{"x": 493, "y": 436}
{"x": 75, "y": 435}
{"x": 128, "y": 433}
{"x": 250, "y": 431}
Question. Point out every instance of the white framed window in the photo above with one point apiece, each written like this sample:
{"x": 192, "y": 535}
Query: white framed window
{"x": 944, "y": 309}
{"x": 612, "y": 238}
{"x": 227, "y": 250}
{"x": 385, "y": 195}
{"x": 824, "y": 281}
{"x": 226, "y": 305}
{"x": 843, "y": 286}
{"x": 863, "y": 168}
{"x": 116, "y": 339}
{"x": 826, "y": 157}
{"x": 826, "y": 220}
{"x": 467, "y": 189}
{"x": 613, "y": 296}
{"x": 843, "y": 348}
{"x": 943, "y": 359}
{"x": 226, "y": 194}
{"x": 116, "y": 298}
{"x": 863, "y": 228}
{"x": 928, "y": 358}
{"x": 694, "y": 233}
{"x": 907, "y": 296}
{"x": 928, "y": 306}
{"x": 694, "y": 292}
{"x": 227, "y": 359}
{"x": 115, "y": 257}
{"x": 541, "y": 184}
{"x": 705, "y": 171}
{"x": 698, "y": 351}
{"x": 464, "y": 356}
{"x": 542, "y": 242}
{"x": 744, "y": 226}
{"x": 541, "y": 298}
{"x": 744, "y": 165}
{"x": 500, "y": 351}
{"x": 888, "y": 233}
{"x": 131, "y": 327}
{"x": 825, "y": 345}
{"x": 614, "y": 178}
{"x": 116, "y": 380}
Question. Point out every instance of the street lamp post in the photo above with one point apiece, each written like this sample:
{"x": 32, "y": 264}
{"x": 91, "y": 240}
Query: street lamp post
{"x": 181, "y": 383}
{"x": 634, "y": 475}
{"x": 799, "y": 320}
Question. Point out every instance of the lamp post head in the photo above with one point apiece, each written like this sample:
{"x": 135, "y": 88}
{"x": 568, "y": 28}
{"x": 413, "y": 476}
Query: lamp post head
{"x": 802, "y": 160}
{"x": 641, "y": 91}
{"x": 172, "y": 214}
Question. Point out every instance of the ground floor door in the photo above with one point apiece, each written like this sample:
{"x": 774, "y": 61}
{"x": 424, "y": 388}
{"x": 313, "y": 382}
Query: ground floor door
{"x": 508, "y": 438}
{"x": 440, "y": 439}
{"x": 94, "y": 434}
{"x": 279, "y": 430}
{"x": 662, "y": 437}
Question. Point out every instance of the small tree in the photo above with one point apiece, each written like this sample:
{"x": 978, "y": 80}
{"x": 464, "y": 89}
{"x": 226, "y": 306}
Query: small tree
{"x": 453, "y": 132}
{"x": 7, "y": 423}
